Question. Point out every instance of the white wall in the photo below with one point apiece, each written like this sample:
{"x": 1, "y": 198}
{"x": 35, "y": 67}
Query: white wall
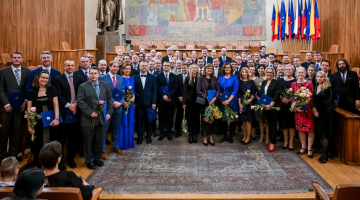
{"x": 91, "y": 30}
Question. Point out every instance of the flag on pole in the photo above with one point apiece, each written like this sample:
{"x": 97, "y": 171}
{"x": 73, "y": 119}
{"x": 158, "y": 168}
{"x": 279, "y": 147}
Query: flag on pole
{"x": 283, "y": 20}
{"x": 273, "y": 23}
{"x": 308, "y": 20}
{"x": 312, "y": 19}
{"x": 317, "y": 23}
{"x": 296, "y": 24}
{"x": 304, "y": 21}
{"x": 277, "y": 21}
{"x": 287, "y": 20}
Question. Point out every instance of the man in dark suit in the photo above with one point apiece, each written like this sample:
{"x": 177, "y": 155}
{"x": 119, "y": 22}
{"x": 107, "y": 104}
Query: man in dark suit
{"x": 67, "y": 86}
{"x": 46, "y": 59}
{"x": 115, "y": 82}
{"x": 84, "y": 70}
{"x": 104, "y": 69}
{"x": 348, "y": 83}
{"x": 193, "y": 57}
{"x": 158, "y": 66}
{"x": 308, "y": 58}
{"x": 169, "y": 56}
{"x": 89, "y": 94}
{"x": 12, "y": 79}
{"x": 151, "y": 69}
{"x": 201, "y": 64}
{"x": 318, "y": 58}
{"x": 223, "y": 58}
{"x": 263, "y": 52}
{"x": 205, "y": 56}
{"x": 91, "y": 58}
{"x": 217, "y": 68}
{"x": 135, "y": 65}
{"x": 165, "y": 102}
{"x": 179, "y": 102}
{"x": 145, "y": 98}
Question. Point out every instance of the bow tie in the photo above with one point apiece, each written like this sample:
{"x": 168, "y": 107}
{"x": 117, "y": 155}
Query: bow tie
{"x": 143, "y": 76}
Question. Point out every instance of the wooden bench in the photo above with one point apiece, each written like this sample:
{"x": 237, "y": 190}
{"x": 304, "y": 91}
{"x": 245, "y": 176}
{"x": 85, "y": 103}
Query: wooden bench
{"x": 343, "y": 191}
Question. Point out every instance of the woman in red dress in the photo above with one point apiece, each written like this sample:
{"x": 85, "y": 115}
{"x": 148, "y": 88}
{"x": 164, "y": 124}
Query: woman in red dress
{"x": 304, "y": 118}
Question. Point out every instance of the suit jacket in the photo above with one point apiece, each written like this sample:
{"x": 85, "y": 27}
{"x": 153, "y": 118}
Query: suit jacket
{"x": 219, "y": 72}
{"x": 166, "y": 58}
{"x": 119, "y": 85}
{"x": 274, "y": 90}
{"x": 181, "y": 85}
{"x": 348, "y": 91}
{"x": 155, "y": 73}
{"x": 172, "y": 86}
{"x": 306, "y": 64}
{"x": 145, "y": 97}
{"x": 8, "y": 84}
{"x": 81, "y": 74}
{"x": 53, "y": 74}
{"x": 228, "y": 59}
{"x": 207, "y": 60}
{"x": 202, "y": 86}
{"x": 93, "y": 65}
{"x": 192, "y": 60}
{"x": 85, "y": 97}
{"x": 62, "y": 87}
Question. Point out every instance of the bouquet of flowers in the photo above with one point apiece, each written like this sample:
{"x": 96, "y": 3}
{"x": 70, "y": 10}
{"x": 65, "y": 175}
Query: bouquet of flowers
{"x": 98, "y": 108}
{"x": 208, "y": 116}
{"x": 128, "y": 97}
{"x": 216, "y": 111}
{"x": 288, "y": 93}
{"x": 33, "y": 116}
{"x": 246, "y": 97}
{"x": 229, "y": 115}
{"x": 301, "y": 96}
{"x": 259, "y": 109}
{"x": 184, "y": 124}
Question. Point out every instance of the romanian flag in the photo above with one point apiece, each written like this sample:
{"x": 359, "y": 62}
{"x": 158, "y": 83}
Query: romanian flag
{"x": 275, "y": 22}
{"x": 317, "y": 23}
{"x": 273, "y": 19}
{"x": 304, "y": 21}
{"x": 283, "y": 20}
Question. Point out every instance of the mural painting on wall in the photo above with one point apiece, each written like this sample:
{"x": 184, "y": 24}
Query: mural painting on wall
{"x": 195, "y": 19}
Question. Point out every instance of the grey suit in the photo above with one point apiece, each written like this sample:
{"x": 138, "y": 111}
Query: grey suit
{"x": 85, "y": 96}
{"x": 10, "y": 119}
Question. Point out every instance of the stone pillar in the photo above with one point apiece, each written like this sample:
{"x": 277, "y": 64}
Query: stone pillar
{"x": 106, "y": 42}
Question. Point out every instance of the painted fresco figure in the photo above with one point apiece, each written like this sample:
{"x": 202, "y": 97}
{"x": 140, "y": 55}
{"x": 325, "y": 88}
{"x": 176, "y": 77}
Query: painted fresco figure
{"x": 203, "y": 11}
{"x": 109, "y": 15}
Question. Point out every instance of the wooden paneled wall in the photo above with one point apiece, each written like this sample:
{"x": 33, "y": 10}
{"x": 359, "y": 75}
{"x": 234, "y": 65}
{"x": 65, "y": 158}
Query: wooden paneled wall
{"x": 339, "y": 22}
{"x": 33, "y": 26}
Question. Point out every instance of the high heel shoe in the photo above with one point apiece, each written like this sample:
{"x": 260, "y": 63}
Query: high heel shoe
{"x": 211, "y": 143}
{"x": 205, "y": 144}
{"x": 284, "y": 147}
{"x": 301, "y": 152}
{"x": 261, "y": 141}
{"x": 267, "y": 142}
{"x": 310, "y": 156}
{"x": 271, "y": 150}
{"x": 254, "y": 138}
{"x": 246, "y": 143}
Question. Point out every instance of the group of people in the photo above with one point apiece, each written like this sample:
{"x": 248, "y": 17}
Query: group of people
{"x": 125, "y": 95}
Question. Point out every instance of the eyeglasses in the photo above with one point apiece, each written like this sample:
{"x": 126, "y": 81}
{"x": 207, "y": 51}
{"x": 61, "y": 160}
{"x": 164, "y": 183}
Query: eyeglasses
{"x": 166, "y": 65}
{"x": 46, "y": 78}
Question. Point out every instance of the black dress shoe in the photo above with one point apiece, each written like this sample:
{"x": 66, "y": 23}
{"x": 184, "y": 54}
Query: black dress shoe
{"x": 99, "y": 163}
{"x": 191, "y": 138}
{"x": 177, "y": 135}
{"x": 284, "y": 147}
{"x": 19, "y": 159}
{"x": 161, "y": 137}
{"x": 148, "y": 141}
{"x": 321, "y": 160}
{"x": 72, "y": 164}
{"x": 223, "y": 140}
{"x": 212, "y": 144}
{"x": 91, "y": 165}
{"x": 230, "y": 140}
{"x": 169, "y": 137}
{"x": 194, "y": 137}
{"x": 139, "y": 141}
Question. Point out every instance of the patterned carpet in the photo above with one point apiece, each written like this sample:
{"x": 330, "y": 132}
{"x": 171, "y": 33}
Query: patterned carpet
{"x": 173, "y": 167}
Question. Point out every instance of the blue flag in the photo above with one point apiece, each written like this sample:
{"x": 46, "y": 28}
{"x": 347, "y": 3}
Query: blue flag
{"x": 292, "y": 18}
{"x": 308, "y": 21}
{"x": 283, "y": 19}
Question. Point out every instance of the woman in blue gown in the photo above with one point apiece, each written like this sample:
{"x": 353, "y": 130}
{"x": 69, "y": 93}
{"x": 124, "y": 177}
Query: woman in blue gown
{"x": 127, "y": 123}
{"x": 230, "y": 83}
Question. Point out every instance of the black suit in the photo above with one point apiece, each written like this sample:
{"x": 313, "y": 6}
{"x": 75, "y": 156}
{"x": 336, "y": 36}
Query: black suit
{"x": 306, "y": 64}
{"x": 179, "y": 105}
{"x": 72, "y": 132}
{"x": 207, "y": 60}
{"x": 83, "y": 77}
{"x": 166, "y": 59}
{"x": 144, "y": 98}
{"x": 219, "y": 72}
{"x": 227, "y": 59}
{"x": 166, "y": 108}
{"x": 11, "y": 121}
{"x": 348, "y": 91}
{"x": 194, "y": 61}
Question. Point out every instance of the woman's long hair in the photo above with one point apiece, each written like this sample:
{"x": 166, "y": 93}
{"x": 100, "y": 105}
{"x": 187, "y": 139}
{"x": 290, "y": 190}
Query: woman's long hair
{"x": 191, "y": 72}
{"x": 326, "y": 83}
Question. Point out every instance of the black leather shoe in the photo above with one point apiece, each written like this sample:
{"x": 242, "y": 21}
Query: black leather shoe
{"x": 91, "y": 165}
{"x": 99, "y": 163}
{"x": 194, "y": 137}
{"x": 161, "y": 137}
{"x": 178, "y": 134}
{"x": 230, "y": 140}
{"x": 321, "y": 160}
{"x": 72, "y": 164}
{"x": 19, "y": 159}
{"x": 169, "y": 137}
{"x": 191, "y": 138}
{"x": 148, "y": 141}
{"x": 139, "y": 141}
{"x": 223, "y": 140}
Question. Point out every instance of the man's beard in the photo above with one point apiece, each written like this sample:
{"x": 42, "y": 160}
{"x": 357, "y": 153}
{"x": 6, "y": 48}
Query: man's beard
{"x": 342, "y": 69}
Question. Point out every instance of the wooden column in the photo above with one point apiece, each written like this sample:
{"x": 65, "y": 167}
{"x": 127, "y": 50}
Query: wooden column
{"x": 59, "y": 57}
{"x": 106, "y": 42}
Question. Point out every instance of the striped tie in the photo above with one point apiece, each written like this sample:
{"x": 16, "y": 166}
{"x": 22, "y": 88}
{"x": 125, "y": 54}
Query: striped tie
{"x": 97, "y": 90}
{"x": 17, "y": 76}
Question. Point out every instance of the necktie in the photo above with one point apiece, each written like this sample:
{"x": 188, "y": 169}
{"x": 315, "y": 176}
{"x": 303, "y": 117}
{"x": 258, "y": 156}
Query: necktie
{"x": 184, "y": 78}
{"x": 343, "y": 77}
{"x": 317, "y": 67}
{"x": 201, "y": 72}
{"x": 47, "y": 70}
{"x": 86, "y": 74}
{"x": 102, "y": 74}
{"x": 114, "y": 81}
{"x": 72, "y": 90}
{"x": 97, "y": 90}
{"x": 205, "y": 59}
{"x": 166, "y": 77}
{"x": 224, "y": 59}
{"x": 17, "y": 76}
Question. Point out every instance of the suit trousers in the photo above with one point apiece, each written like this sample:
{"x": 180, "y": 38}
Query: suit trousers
{"x": 92, "y": 142}
{"x": 179, "y": 116}
{"x": 166, "y": 116}
{"x": 71, "y": 133}
{"x": 272, "y": 118}
{"x": 114, "y": 123}
{"x": 11, "y": 128}
{"x": 143, "y": 124}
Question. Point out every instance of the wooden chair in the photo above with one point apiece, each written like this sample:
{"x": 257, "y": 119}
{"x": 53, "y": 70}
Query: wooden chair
{"x": 156, "y": 42}
{"x": 65, "y": 46}
{"x": 343, "y": 191}
{"x": 148, "y": 43}
{"x": 229, "y": 47}
{"x": 246, "y": 43}
{"x": 190, "y": 42}
{"x": 190, "y": 46}
{"x": 135, "y": 45}
{"x": 174, "y": 46}
{"x": 5, "y": 57}
{"x": 357, "y": 70}
{"x": 160, "y": 46}
{"x": 55, "y": 193}
{"x": 222, "y": 44}
{"x": 37, "y": 66}
{"x": 180, "y": 43}
{"x": 32, "y": 68}
{"x": 209, "y": 47}
{"x": 240, "y": 47}
{"x": 213, "y": 42}
{"x": 234, "y": 43}
{"x": 200, "y": 44}
{"x": 255, "y": 46}
{"x": 168, "y": 43}
{"x": 120, "y": 47}
{"x": 334, "y": 48}
{"x": 272, "y": 50}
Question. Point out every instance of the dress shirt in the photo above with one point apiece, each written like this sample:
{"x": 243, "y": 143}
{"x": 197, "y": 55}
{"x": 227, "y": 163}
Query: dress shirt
{"x": 102, "y": 73}
{"x": 48, "y": 69}
{"x": 143, "y": 79}
{"x": 19, "y": 72}
{"x": 343, "y": 74}
{"x": 184, "y": 76}
{"x": 151, "y": 72}
{"x": 88, "y": 71}
{"x": 67, "y": 77}
{"x": 216, "y": 70}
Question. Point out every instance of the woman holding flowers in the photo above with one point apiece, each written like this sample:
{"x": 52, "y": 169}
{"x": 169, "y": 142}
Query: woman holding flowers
{"x": 41, "y": 98}
{"x": 126, "y": 127}
{"x": 246, "y": 95}
{"x": 287, "y": 121}
{"x": 271, "y": 87}
{"x": 230, "y": 84}
{"x": 205, "y": 83}
{"x": 192, "y": 111}
{"x": 321, "y": 107}
{"x": 258, "y": 82}
{"x": 303, "y": 115}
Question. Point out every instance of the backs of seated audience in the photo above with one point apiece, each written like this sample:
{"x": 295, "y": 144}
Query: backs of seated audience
{"x": 56, "y": 193}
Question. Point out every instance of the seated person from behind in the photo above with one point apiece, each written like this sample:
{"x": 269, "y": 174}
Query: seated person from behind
{"x": 50, "y": 157}
{"x": 9, "y": 172}
{"x": 28, "y": 185}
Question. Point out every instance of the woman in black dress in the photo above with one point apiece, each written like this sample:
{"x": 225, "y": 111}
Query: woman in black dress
{"x": 50, "y": 156}
{"x": 192, "y": 111}
{"x": 43, "y": 97}
{"x": 271, "y": 88}
{"x": 246, "y": 85}
{"x": 321, "y": 107}
{"x": 205, "y": 83}
{"x": 287, "y": 117}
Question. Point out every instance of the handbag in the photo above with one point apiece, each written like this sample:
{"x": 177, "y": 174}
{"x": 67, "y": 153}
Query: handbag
{"x": 200, "y": 100}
